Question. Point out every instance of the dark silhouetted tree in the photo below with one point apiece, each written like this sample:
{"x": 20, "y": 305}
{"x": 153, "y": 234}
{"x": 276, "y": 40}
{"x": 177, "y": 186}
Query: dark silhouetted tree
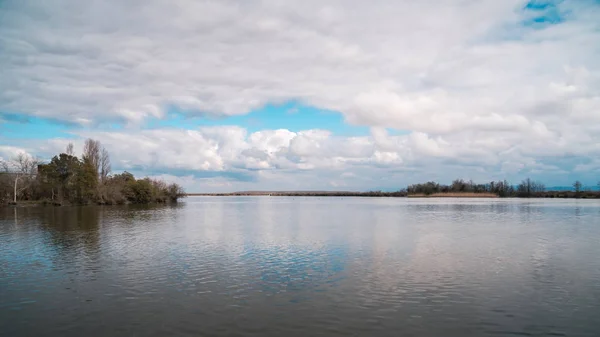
{"x": 578, "y": 187}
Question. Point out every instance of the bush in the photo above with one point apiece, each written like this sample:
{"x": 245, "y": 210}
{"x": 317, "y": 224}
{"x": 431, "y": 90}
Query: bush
{"x": 141, "y": 191}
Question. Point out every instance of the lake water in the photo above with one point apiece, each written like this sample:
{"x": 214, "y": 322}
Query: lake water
{"x": 270, "y": 266}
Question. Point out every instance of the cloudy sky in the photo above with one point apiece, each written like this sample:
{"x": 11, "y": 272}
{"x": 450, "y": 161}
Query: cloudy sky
{"x": 315, "y": 94}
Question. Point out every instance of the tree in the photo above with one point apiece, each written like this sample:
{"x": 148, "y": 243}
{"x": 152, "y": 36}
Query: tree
{"x": 70, "y": 151}
{"x": 528, "y": 188}
{"x": 142, "y": 191}
{"x": 67, "y": 178}
{"x": 99, "y": 159}
{"x": 59, "y": 174}
{"x": 504, "y": 189}
{"x": 428, "y": 188}
{"x": 105, "y": 169}
{"x": 458, "y": 185}
{"x": 22, "y": 170}
{"x": 117, "y": 188}
{"x": 577, "y": 186}
{"x": 104, "y": 165}
{"x": 87, "y": 181}
{"x": 91, "y": 153}
{"x": 175, "y": 192}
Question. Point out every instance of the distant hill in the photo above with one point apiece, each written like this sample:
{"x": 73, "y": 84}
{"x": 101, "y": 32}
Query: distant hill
{"x": 570, "y": 188}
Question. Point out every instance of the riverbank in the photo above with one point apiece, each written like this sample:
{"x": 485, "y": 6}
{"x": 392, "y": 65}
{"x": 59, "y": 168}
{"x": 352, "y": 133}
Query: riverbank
{"x": 27, "y": 203}
{"x": 50, "y": 203}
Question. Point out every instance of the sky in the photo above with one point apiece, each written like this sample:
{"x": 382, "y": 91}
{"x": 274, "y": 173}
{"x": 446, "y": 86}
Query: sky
{"x": 233, "y": 95}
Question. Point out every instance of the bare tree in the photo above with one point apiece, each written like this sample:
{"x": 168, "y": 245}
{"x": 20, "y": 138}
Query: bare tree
{"x": 577, "y": 186}
{"x": 98, "y": 157}
{"x": 23, "y": 169}
{"x": 529, "y": 188}
{"x": 70, "y": 151}
{"x": 91, "y": 152}
{"x": 104, "y": 165}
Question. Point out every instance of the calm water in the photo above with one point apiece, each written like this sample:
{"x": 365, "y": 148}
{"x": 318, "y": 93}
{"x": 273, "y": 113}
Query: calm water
{"x": 268, "y": 266}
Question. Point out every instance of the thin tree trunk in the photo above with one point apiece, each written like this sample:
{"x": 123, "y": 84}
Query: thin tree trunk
{"x": 15, "y": 193}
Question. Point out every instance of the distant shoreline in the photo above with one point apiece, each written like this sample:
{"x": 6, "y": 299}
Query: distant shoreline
{"x": 400, "y": 194}
{"x": 303, "y": 194}
{"x": 348, "y": 194}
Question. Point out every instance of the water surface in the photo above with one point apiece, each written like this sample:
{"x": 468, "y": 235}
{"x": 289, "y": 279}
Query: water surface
{"x": 270, "y": 266}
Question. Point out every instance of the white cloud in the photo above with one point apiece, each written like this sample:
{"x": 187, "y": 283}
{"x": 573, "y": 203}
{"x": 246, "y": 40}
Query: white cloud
{"x": 8, "y": 153}
{"x": 430, "y": 67}
{"x": 470, "y": 82}
{"x": 230, "y": 156}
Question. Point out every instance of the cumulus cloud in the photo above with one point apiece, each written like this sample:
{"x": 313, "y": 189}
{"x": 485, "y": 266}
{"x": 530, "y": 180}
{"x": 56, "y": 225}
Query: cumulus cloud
{"x": 433, "y": 67}
{"x": 8, "y": 153}
{"x": 495, "y": 84}
{"x": 222, "y": 157}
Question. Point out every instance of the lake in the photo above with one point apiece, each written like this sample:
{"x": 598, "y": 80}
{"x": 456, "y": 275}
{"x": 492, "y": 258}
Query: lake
{"x": 290, "y": 266}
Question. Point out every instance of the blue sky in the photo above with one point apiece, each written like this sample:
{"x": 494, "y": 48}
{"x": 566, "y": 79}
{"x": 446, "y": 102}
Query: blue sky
{"x": 16, "y": 127}
{"x": 545, "y": 13}
{"x": 304, "y": 95}
{"x": 292, "y": 116}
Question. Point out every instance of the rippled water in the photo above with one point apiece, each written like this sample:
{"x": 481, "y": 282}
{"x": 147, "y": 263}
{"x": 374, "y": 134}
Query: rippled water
{"x": 269, "y": 266}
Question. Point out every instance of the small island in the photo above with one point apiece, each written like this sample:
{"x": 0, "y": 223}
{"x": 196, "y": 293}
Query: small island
{"x": 69, "y": 180}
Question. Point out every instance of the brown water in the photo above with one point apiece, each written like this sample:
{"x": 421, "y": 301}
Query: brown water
{"x": 266, "y": 266}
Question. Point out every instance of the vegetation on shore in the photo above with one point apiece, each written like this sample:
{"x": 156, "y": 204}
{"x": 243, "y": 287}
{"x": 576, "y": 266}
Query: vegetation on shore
{"x": 457, "y": 189}
{"x": 526, "y": 189}
{"x": 66, "y": 179}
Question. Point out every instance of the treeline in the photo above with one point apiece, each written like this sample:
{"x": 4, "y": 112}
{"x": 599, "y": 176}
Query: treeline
{"x": 526, "y": 189}
{"x": 69, "y": 179}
